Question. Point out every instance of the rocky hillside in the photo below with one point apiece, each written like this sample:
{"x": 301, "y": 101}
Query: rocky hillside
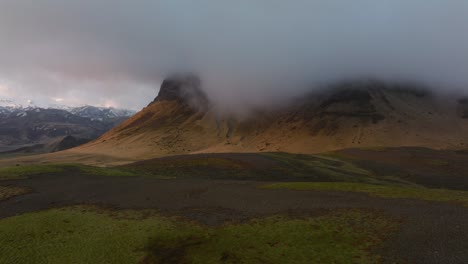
{"x": 182, "y": 120}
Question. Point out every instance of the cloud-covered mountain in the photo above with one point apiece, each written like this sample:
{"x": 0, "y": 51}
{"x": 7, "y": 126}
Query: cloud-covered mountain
{"x": 182, "y": 120}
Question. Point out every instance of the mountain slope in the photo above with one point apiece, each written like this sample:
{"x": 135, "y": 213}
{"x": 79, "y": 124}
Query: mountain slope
{"x": 355, "y": 114}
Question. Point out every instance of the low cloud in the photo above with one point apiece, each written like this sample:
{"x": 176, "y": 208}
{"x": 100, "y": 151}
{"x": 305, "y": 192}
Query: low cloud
{"x": 246, "y": 52}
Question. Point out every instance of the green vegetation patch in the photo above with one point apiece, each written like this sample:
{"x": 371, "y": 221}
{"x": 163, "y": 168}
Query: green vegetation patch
{"x": 322, "y": 168}
{"x": 195, "y": 167}
{"x": 436, "y": 162}
{"x": 212, "y": 162}
{"x": 345, "y": 237}
{"x": 81, "y": 236}
{"x": 379, "y": 190}
{"x": 20, "y": 172}
{"x": 25, "y": 171}
{"x": 91, "y": 235}
{"x": 264, "y": 166}
{"x": 9, "y": 192}
{"x": 114, "y": 172}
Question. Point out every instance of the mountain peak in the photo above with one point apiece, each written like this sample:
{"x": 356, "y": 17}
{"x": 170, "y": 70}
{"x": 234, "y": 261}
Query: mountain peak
{"x": 184, "y": 89}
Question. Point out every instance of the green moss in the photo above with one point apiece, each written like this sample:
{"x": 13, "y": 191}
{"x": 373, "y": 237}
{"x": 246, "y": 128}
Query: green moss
{"x": 114, "y": 172}
{"x": 322, "y": 168}
{"x": 83, "y": 235}
{"x": 212, "y": 162}
{"x": 121, "y": 172}
{"x": 336, "y": 238}
{"x": 19, "y": 172}
{"x": 73, "y": 236}
{"x": 379, "y": 190}
{"x": 194, "y": 167}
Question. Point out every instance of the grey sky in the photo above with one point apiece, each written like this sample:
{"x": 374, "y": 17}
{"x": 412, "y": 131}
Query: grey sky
{"x": 116, "y": 52}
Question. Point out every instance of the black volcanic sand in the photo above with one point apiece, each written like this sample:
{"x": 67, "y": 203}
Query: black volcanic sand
{"x": 442, "y": 169}
{"x": 431, "y": 232}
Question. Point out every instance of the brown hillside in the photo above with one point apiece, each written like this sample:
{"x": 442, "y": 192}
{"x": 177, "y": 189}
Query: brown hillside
{"x": 358, "y": 114}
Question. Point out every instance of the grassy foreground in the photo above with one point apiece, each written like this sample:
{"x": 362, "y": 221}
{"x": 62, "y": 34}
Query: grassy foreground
{"x": 92, "y": 235}
{"x": 378, "y": 190}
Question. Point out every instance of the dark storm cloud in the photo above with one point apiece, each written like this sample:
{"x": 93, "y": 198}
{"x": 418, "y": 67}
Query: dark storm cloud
{"x": 246, "y": 52}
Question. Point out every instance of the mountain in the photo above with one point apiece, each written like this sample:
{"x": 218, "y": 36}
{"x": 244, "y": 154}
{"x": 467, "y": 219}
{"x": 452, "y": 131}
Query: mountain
{"x": 35, "y": 129}
{"x": 101, "y": 113}
{"x": 11, "y": 104}
{"x": 181, "y": 120}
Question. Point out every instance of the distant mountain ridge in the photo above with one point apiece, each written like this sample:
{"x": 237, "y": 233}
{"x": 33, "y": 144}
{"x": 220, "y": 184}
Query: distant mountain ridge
{"x": 35, "y": 128}
{"x": 95, "y": 112}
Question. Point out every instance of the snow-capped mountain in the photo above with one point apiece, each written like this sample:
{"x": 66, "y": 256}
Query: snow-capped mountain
{"x": 8, "y": 106}
{"x": 100, "y": 113}
{"x": 30, "y": 125}
{"x": 12, "y": 104}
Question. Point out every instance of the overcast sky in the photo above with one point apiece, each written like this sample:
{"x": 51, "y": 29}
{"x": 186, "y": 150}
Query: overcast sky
{"x": 117, "y": 52}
